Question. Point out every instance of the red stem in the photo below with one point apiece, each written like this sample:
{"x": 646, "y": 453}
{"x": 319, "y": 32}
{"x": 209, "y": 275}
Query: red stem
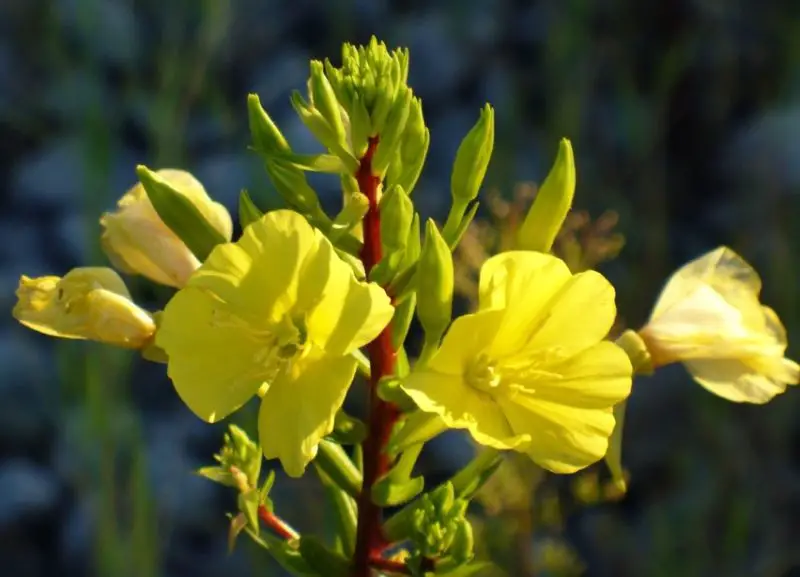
{"x": 276, "y": 523}
{"x": 382, "y": 359}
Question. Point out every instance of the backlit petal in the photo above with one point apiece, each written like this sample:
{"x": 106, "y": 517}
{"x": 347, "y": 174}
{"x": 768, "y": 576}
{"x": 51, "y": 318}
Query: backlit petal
{"x": 462, "y": 407}
{"x": 736, "y": 381}
{"x": 299, "y": 408}
{"x": 213, "y": 365}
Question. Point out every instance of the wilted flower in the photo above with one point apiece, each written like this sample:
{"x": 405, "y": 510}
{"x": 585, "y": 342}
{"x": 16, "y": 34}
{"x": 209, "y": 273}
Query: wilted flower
{"x": 709, "y": 317}
{"x": 88, "y": 303}
{"x": 136, "y": 240}
{"x": 530, "y": 370}
{"x": 277, "y": 309}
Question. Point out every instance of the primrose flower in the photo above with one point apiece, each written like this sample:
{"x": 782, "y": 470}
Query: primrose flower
{"x": 136, "y": 240}
{"x": 530, "y": 370}
{"x": 276, "y": 313}
{"x": 709, "y": 317}
{"x": 88, "y": 303}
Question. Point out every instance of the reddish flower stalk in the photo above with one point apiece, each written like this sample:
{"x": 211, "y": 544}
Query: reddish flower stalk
{"x": 276, "y": 523}
{"x": 382, "y": 415}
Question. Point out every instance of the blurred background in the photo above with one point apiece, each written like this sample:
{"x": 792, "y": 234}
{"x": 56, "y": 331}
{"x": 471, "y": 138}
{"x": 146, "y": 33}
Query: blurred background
{"x": 685, "y": 119}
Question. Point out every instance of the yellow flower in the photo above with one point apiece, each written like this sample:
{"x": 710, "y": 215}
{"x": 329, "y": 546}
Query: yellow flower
{"x": 709, "y": 317}
{"x": 277, "y": 309}
{"x": 530, "y": 370}
{"x": 88, "y": 303}
{"x": 136, "y": 241}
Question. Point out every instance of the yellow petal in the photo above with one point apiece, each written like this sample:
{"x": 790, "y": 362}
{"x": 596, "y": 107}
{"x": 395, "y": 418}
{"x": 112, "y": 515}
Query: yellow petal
{"x": 734, "y": 380}
{"x": 569, "y": 404}
{"x": 214, "y": 362}
{"x": 88, "y": 303}
{"x": 564, "y": 439}
{"x": 299, "y": 409}
{"x": 597, "y": 378}
{"x": 522, "y": 283}
{"x": 580, "y": 315}
{"x": 462, "y": 407}
{"x": 468, "y": 337}
{"x": 345, "y": 313}
{"x": 259, "y": 273}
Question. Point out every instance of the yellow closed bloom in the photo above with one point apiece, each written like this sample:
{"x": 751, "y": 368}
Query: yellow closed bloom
{"x": 136, "y": 240}
{"x": 530, "y": 370}
{"x": 709, "y": 317}
{"x": 88, "y": 303}
{"x": 277, "y": 312}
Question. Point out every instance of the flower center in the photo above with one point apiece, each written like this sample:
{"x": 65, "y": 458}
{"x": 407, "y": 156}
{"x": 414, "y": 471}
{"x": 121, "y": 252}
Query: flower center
{"x": 484, "y": 376}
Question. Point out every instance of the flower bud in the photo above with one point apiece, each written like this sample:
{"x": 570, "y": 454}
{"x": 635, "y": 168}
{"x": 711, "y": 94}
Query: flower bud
{"x": 413, "y": 150}
{"x": 137, "y": 241}
{"x": 265, "y": 135}
{"x": 472, "y": 160}
{"x": 324, "y": 99}
{"x": 434, "y": 283}
{"x": 392, "y": 133}
{"x": 551, "y": 205}
{"x": 89, "y": 303}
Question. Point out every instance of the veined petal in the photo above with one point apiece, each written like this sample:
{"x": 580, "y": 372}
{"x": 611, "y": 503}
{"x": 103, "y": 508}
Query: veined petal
{"x": 578, "y": 317}
{"x": 468, "y": 337}
{"x": 462, "y": 407}
{"x": 214, "y": 365}
{"x": 345, "y": 313}
{"x": 259, "y": 273}
{"x": 737, "y": 381}
{"x": 564, "y": 439}
{"x": 597, "y": 378}
{"x": 722, "y": 271}
{"x": 299, "y": 408}
{"x": 522, "y": 283}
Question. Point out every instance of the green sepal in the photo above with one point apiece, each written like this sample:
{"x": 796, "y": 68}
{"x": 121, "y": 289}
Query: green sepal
{"x": 180, "y": 215}
{"x": 248, "y": 211}
{"x": 322, "y": 559}
{"x": 360, "y": 126}
{"x": 335, "y": 463}
{"x": 352, "y": 214}
{"x": 266, "y": 487}
{"x": 448, "y": 567}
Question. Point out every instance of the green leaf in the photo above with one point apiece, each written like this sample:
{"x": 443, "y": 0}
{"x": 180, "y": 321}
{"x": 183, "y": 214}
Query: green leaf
{"x": 180, "y": 215}
{"x": 248, "y": 504}
{"x": 285, "y": 553}
{"x": 388, "y": 492}
{"x": 266, "y": 487}
{"x": 348, "y": 430}
{"x": 332, "y": 459}
{"x": 248, "y": 211}
{"x": 345, "y": 512}
{"x": 218, "y": 475}
{"x": 322, "y": 559}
